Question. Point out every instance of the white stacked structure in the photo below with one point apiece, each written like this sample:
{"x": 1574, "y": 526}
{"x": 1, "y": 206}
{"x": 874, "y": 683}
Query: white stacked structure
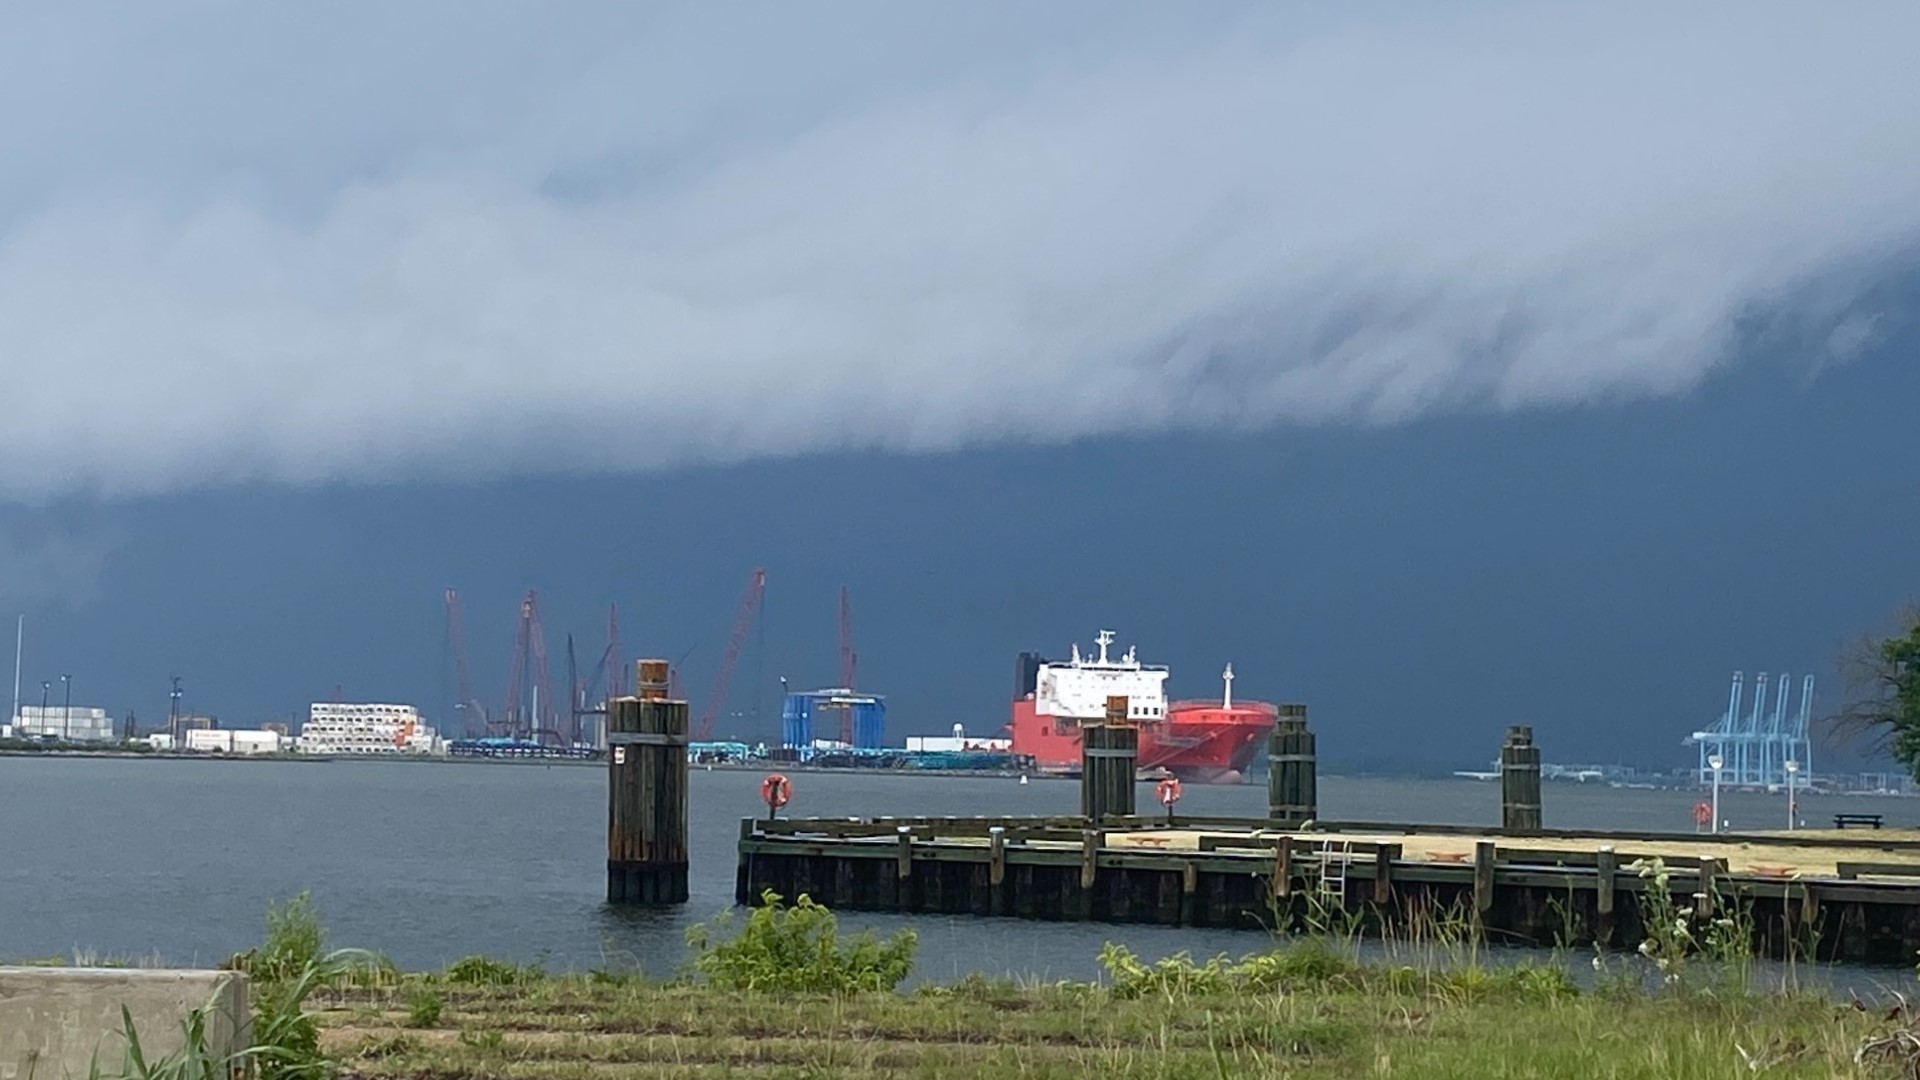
{"x": 76, "y": 723}
{"x": 336, "y": 727}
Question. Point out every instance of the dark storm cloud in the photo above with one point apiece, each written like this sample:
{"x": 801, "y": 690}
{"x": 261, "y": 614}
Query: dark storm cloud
{"x": 371, "y": 241}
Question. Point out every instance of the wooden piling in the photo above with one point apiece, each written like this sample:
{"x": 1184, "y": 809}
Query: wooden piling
{"x": 647, "y": 793}
{"x": 1109, "y": 756}
{"x": 1706, "y": 899}
{"x": 1484, "y": 854}
{"x": 1383, "y": 860}
{"x": 1520, "y": 782}
{"x": 1292, "y": 784}
{"x": 1606, "y": 866}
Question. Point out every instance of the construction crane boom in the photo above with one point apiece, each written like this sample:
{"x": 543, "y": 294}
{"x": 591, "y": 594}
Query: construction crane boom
{"x": 523, "y": 717}
{"x": 457, "y": 644}
{"x": 849, "y": 663}
{"x": 756, "y": 585}
{"x": 610, "y": 660}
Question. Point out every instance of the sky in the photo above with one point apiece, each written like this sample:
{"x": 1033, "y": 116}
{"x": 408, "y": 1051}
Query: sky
{"x": 1441, "y": 367}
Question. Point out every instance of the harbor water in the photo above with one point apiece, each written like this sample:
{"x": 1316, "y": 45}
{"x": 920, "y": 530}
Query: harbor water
{"x": 429, "y": 862}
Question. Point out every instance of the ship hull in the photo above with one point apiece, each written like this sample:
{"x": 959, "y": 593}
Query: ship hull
{"x": 1202, "y": 743}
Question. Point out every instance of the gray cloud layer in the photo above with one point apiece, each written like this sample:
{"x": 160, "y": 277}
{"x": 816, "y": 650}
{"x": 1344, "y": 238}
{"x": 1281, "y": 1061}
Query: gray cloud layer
{"x": 443, "y": 239}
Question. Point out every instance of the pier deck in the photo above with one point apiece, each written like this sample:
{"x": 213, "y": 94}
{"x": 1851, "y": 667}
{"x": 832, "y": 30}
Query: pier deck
{"x": 1849, "y": 895}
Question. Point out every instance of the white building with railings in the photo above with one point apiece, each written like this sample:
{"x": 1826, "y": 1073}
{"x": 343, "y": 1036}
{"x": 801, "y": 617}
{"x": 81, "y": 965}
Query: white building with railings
{"x": 75, "y": 723}
{"x": 350, "y": 728}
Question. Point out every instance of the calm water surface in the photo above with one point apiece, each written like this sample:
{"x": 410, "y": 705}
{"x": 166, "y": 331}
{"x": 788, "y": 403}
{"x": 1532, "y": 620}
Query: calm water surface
{"x": 431, "y": 862}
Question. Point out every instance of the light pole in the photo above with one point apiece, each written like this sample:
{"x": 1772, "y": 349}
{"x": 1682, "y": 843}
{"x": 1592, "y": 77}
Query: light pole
{"x": 66, "y": 709}
{"x": 1714, "y": 762}
{"x": 44, "y": 687}
{"x": 1793, "y": 767}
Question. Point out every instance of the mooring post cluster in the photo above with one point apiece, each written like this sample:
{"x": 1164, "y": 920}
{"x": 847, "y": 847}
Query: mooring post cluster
{"x": 1293, "y": 791}
{"x": 647, "y": 793}
{"x": 1519, "y": 781}
{"x": 1109, "y": 755}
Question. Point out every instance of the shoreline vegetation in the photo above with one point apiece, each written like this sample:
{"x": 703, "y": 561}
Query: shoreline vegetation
{"x": 778, "y": 991}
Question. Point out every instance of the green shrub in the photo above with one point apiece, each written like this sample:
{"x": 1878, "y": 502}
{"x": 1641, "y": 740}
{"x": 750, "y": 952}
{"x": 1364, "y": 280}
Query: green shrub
{"x": 1174, "y": 976}
{"x": 1311, "y": 962}
{"x": 486, "y": 971}
{"x": 295, "y": 940}
{"x": 798, "y": 950}
{"x": 423, "y": 1009}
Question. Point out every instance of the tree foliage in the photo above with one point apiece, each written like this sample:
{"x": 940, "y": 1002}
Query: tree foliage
{"x": 1883, "y": 692}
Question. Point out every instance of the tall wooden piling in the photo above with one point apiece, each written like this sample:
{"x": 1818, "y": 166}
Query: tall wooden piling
{"x": 647, "y": 793}
{"x": 1293, "y": 793}
{"x": 1520, "y": 782}
{"x": 1109, "y": 755}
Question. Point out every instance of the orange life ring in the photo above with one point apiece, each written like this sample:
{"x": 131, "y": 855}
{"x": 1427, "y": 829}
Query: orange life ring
{"x": 775, "y": 790}
{"x": 1702, "y": 814}
{"x": 1168, "y": 791}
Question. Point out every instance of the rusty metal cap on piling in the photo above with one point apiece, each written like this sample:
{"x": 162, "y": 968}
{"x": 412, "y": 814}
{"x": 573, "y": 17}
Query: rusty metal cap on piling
{"x": 1117, "y": 708}
{"x": 653, "y": 681}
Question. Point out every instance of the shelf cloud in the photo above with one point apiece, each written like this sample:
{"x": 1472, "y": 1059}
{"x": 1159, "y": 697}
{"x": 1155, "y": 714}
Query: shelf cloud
{"x": 242, "y": 243}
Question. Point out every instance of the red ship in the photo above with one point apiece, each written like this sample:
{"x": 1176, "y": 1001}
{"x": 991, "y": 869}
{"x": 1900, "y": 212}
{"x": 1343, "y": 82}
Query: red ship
{"x": 1198, "y": 741}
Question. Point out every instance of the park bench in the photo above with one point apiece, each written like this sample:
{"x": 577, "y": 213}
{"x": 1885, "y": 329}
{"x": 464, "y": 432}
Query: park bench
{"x": 1848, "y": 821}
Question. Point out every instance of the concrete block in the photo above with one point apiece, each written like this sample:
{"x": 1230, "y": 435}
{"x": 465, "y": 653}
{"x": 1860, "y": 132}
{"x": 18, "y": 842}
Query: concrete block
{"x": 54, "y": 1021}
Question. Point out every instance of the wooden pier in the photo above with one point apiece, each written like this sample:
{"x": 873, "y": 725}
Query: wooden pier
{"x": 1829, "y": 895}
{"x": 1841, "y": 894}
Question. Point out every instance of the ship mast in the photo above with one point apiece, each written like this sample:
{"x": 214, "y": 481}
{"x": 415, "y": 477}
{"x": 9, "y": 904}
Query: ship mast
{"x": 1226, "y": 699}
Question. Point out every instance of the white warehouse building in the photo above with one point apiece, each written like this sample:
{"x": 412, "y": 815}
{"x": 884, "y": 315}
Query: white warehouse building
{"x": 235, "y": 741}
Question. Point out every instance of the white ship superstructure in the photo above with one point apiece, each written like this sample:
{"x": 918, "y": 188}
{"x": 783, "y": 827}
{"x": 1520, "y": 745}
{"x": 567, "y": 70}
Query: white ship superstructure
{"x": 1080, "y": 687}
{"x": 336, "y": 727}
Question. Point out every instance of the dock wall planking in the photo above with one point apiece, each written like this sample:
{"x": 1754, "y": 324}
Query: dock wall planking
{"x": 1057, "y": 869}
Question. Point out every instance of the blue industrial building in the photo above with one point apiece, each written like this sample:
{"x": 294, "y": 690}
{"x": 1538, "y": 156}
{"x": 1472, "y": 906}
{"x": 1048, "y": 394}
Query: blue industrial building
{"x": 836, "y": 711}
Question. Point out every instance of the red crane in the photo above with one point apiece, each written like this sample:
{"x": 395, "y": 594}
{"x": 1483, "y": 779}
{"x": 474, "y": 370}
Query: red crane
{"x": 849, "y": 663}
{"x": 523, "y": 718}
{"x": 472, "y": 712}
{"x": 616, "y": 669}
{"x": 756, "y": 585}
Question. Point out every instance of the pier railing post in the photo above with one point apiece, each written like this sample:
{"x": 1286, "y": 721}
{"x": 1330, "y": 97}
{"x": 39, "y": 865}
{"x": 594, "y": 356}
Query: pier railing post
{"x": 1109, "y": 757}
{"x": 1520, "y": 782}
{"x": 647, "y": 793}
{"x": 1293, "y": 793}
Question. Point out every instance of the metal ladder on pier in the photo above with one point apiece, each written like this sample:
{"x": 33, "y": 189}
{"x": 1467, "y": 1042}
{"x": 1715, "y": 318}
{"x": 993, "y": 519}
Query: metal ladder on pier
{"x": 1333, "y": 870}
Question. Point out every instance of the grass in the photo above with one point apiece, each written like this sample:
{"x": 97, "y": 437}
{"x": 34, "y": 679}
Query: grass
{"x": 1355, "y": 1022}
{"x": 785, "y": 996}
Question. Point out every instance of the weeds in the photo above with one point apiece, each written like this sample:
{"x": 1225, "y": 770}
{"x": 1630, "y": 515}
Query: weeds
{"x": 798, "y": 950}
{"x": 486, "y": 971}
{"x": 295, "y": 939}
{"x": 424, "y": 1008}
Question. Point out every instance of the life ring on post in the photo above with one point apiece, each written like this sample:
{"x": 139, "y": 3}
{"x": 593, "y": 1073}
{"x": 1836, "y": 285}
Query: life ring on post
{"x": 1702, "y": 814}
{"x": 775, "y": 791}
{"x": 1168, "y": 792}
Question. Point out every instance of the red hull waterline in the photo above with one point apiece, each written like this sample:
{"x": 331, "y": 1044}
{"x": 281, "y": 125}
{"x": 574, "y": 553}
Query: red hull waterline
{"x": 1201, "y": 742}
